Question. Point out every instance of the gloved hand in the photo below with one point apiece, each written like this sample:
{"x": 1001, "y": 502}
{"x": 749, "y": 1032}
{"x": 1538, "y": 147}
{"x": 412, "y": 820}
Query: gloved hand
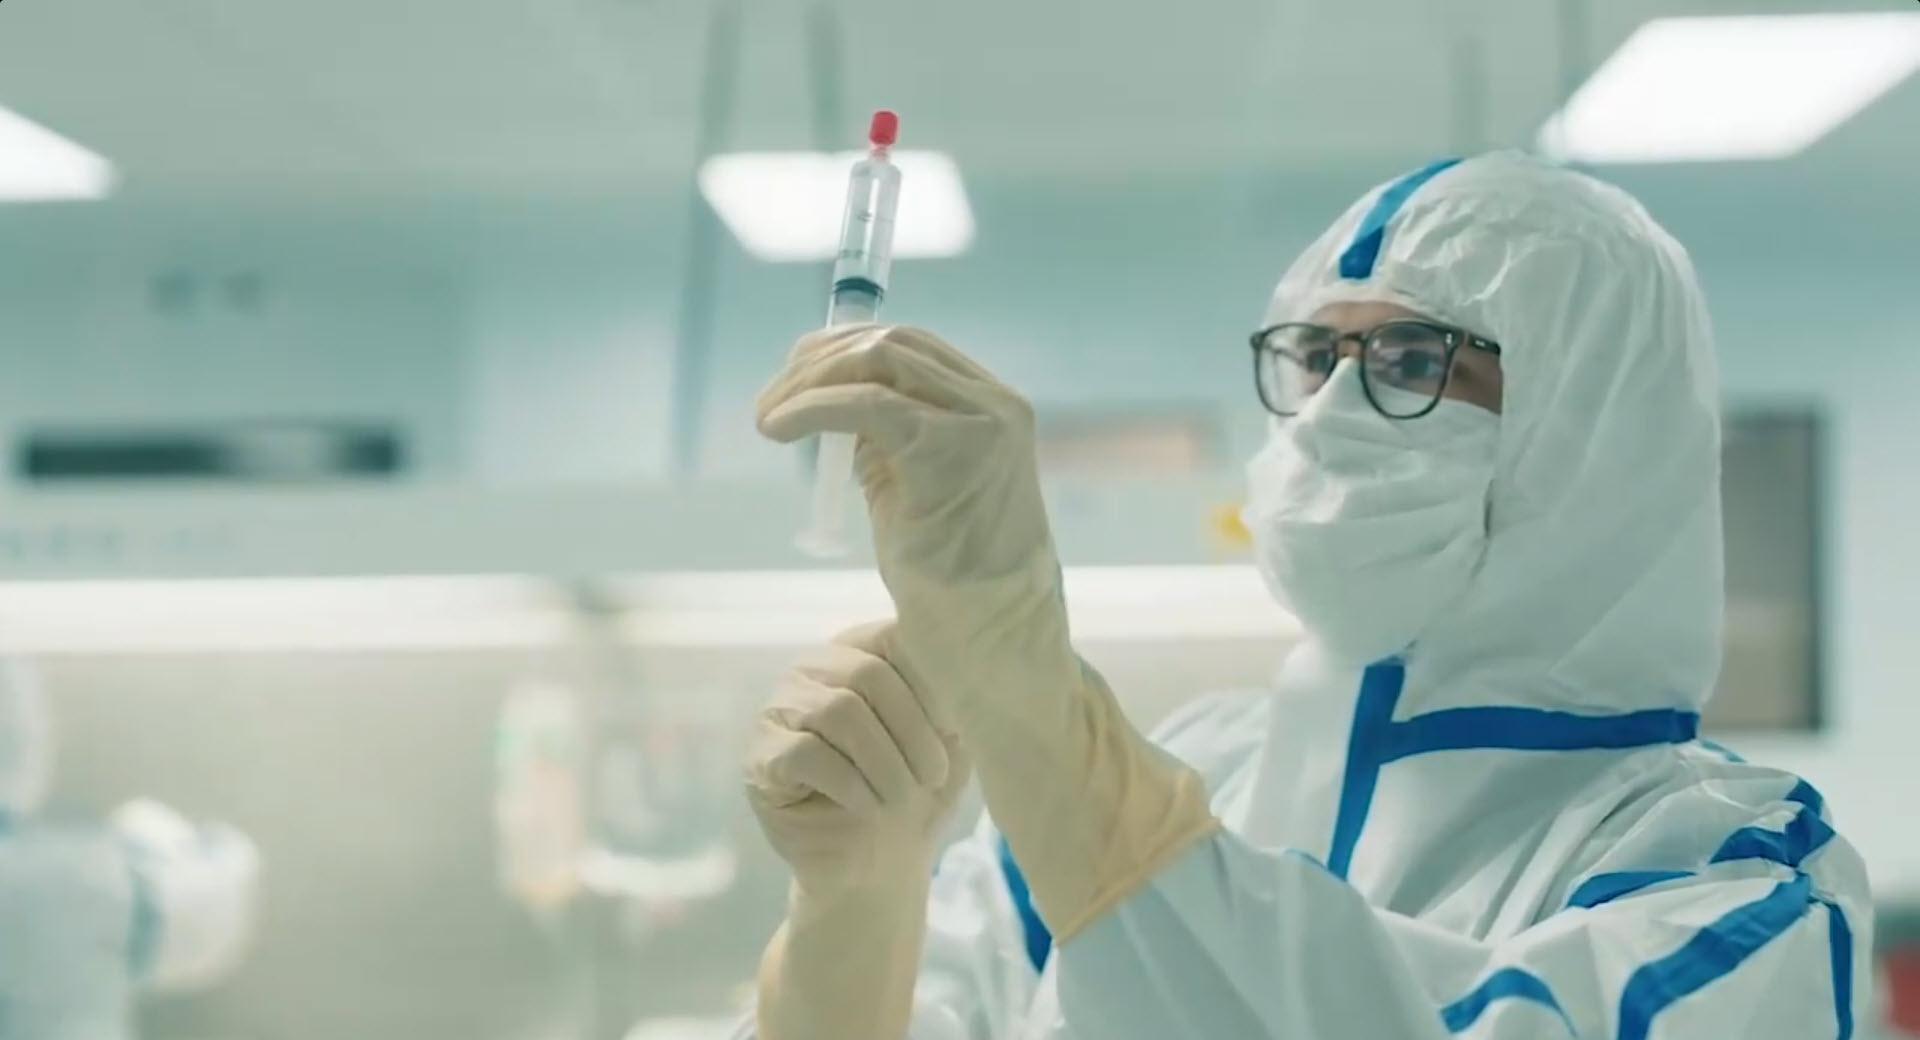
{"x": 946, "y": 457}
{"x": 852, "y": 781}
{"x": 848, "y": 774}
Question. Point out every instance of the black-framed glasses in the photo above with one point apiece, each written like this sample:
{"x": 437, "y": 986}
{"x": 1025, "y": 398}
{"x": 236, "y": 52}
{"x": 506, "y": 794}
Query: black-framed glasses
{"x": 1404, "y": 364}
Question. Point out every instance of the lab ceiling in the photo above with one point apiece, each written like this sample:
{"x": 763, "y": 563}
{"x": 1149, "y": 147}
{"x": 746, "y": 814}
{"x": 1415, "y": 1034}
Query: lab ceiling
{"x": 368, "y": 97}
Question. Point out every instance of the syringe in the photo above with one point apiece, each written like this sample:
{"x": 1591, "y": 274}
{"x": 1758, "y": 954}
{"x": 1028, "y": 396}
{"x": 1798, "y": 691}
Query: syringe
{"x": 859, "y": 284}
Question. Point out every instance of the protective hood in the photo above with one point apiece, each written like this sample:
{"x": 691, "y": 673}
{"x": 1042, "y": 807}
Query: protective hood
{"x": 1599, "y": 587}
{"x": 1509, "y": 830}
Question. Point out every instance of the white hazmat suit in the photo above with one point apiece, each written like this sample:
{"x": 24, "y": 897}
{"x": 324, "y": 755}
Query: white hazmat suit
{"x": 90, "y": 915}
{"x": 1505, "y": 827}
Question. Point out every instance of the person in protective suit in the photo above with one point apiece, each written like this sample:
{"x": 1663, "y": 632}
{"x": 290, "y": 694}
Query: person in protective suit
{"x": 1474, "y": 803}
{"x": 90, "y": 916}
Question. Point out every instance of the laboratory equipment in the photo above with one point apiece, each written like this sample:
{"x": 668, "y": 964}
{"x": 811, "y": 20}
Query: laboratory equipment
{"x": 859, "y": 284}
{"x": 538, "y": 804}
{"x": 659, "y": 798}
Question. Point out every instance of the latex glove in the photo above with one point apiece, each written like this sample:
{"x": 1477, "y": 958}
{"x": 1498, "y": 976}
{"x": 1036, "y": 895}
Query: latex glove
{"x": 848, "y": 774}
{"x": 852, "y": 781}
{"x": 946, "y": 457}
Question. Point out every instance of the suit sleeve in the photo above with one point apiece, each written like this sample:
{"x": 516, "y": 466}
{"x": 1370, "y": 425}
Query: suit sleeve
{"x": 1235, "y": 941}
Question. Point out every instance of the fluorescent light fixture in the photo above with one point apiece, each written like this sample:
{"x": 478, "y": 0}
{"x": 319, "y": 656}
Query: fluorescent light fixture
{"x": 1740, "y": 87}
{"x": 38, "y": 165}
{"x": 786, "y": 206}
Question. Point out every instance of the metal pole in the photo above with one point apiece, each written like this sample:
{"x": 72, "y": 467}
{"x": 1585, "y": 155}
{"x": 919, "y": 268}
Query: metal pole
{"x": 1469, "y": 129}
{"x": 1571, "y": 32}
{"x": 824, "y": 68}
{"x": 693, "y": 349}
{"x": 829, "y": 117}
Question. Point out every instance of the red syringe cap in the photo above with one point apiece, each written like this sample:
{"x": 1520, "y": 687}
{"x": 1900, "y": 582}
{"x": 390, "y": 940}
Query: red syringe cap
{"x": 885, "y": 128}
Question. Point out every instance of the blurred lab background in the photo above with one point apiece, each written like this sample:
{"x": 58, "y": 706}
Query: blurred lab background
{"x": 376, "y": 383}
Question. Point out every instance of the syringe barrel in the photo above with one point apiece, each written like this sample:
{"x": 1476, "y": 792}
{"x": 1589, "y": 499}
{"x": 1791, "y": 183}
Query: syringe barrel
{"x": 866, "y": 232}
{"x": 860, "y": 271}
{"x": 853, "y": 301}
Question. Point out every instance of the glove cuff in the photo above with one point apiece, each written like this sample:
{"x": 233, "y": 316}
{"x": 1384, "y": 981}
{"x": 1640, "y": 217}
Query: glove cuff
{"x": 1091, "y": 809}
{"x": 844, "y": 967}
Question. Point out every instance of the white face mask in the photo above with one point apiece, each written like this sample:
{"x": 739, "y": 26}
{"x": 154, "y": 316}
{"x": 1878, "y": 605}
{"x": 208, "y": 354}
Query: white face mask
{"x": 1367, "y": 527}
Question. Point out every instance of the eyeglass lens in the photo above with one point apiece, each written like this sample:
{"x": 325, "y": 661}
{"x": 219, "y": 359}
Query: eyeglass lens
{"x": 1404, "y": 365}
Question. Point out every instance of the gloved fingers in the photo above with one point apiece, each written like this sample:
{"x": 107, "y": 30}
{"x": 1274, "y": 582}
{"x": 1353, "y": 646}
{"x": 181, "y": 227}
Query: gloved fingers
{"x": 822, "y": 704}
{"x": 882, "y": 416}
{"x": 825, "y": 343}
{"x": 848, "y": 722}
{"x": 959, "y": 771}
{"x": 856, "y": 354}
{"x": 788, "y": 766}
{"x": 880, "y": 638}
{"x": 818, "y": 344}
{"x": 921, "y": 343}
{"x": 915, "y": 365}
{"x": 894, "y": 703}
